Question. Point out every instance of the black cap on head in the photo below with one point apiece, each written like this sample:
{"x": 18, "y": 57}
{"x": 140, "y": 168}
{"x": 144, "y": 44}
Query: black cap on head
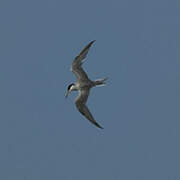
{"x": 70, "y": 86}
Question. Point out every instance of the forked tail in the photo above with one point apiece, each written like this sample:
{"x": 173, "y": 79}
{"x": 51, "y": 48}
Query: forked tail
{"x": 100, "y": 82}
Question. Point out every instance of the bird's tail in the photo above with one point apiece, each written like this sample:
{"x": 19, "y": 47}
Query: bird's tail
{"x": 100, "y": 82}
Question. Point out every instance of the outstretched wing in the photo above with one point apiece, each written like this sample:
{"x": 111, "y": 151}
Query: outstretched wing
{"x": 83, "y": 109}
{"x": 76, "y": 64}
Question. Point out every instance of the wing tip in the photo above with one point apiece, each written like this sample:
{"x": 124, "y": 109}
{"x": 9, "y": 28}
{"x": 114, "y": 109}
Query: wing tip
{"x": 96, "y": 124}
{"x": 92, "y": 42}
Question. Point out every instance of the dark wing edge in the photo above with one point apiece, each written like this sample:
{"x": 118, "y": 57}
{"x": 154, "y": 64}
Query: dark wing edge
{"x": 82, "y": 55}
{"x": 83, "y": 109}
{"x": 76, "y": 64}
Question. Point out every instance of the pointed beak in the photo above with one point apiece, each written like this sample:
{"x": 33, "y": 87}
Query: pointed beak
{"x": 67, "y": 94}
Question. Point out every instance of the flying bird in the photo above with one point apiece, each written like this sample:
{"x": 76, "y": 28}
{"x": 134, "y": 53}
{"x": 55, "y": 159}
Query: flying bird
{"x": 83, "y": 85}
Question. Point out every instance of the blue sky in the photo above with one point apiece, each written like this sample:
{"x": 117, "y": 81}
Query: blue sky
{"x": 43, "y": 136}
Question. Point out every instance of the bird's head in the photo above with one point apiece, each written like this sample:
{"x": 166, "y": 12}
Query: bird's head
{"x": 70, "y": 88}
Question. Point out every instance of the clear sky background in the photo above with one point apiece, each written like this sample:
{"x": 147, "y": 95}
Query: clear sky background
{"x": 43, "y": 136}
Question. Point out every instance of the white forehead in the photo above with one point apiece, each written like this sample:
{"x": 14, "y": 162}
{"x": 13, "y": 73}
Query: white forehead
{"x": 72, "y": 87}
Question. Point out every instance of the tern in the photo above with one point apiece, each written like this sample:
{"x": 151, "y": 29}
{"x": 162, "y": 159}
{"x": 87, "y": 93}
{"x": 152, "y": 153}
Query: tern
{"x": 83, "y": 84}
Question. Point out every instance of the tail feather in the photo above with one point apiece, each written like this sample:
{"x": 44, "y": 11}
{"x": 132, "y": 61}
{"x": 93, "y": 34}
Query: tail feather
{"x": 100, "y": 82}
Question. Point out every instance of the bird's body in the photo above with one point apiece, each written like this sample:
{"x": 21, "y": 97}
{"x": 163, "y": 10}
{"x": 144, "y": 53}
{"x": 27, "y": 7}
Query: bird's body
{"x": 83, "y": 85}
